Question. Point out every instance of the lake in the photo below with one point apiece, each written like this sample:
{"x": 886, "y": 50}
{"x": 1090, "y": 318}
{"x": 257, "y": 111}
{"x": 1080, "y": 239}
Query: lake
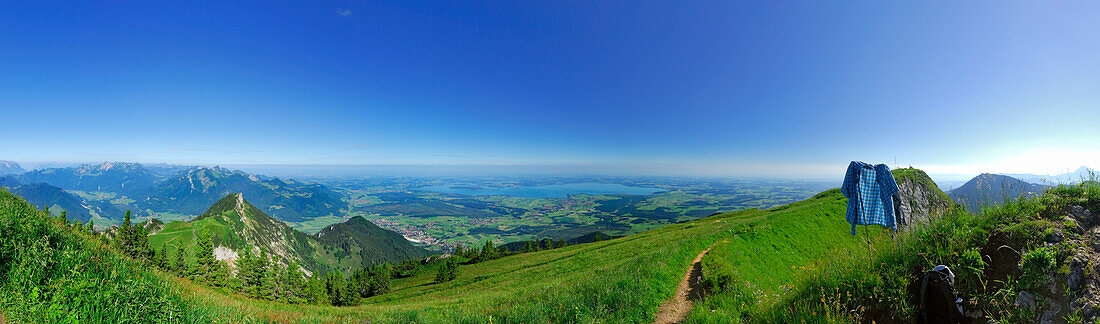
{"x": 547, "y": 191}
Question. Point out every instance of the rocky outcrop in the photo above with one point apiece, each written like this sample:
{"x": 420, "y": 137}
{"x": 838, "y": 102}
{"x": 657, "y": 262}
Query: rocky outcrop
{"x": 1083, "y": 280}
{"x": 918, "y": 199}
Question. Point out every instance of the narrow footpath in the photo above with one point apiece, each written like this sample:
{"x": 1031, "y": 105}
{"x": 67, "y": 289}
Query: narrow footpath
{"x": 676, "y": 309}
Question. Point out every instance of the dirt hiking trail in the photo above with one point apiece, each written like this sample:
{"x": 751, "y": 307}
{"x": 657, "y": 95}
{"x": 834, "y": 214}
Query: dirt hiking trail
{"x": 676, "y": 309}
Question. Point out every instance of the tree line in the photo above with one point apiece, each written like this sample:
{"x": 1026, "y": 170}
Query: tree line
{"x": 259, "y": 276}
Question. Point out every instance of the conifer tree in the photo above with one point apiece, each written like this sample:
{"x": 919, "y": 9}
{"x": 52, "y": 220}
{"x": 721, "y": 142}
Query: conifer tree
{"x": 488, "y": 252}
{"x": 205, "y": 264}
{"x": 140, "y": 242}
{"x": 315, "y": 291}
{"x": 252, "y": 272}
{"x": 292, "y": 285}
{"x": 269, "y": 277}
{"x": 447, "y": 271}
{"x": 160, "y": 259}
{"x": 180, "y": 266}
{"x": 338, "y": 290}
{"x": 380, "y": 279}
{"x": 122, "y": 236}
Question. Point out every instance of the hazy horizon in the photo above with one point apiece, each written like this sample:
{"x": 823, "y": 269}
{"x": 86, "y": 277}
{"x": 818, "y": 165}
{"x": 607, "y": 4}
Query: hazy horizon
{"x": 308, "y": 171}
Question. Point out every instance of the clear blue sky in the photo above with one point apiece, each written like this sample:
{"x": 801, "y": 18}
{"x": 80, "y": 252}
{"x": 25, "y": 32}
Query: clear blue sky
{"x": 752, "y": 88}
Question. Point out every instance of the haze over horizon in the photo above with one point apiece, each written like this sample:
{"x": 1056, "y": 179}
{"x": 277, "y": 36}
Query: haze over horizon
{"x": 745, "y": 89}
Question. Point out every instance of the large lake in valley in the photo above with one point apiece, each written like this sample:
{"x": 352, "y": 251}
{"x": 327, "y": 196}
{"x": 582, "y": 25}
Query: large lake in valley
{"x": 547, "y": 191}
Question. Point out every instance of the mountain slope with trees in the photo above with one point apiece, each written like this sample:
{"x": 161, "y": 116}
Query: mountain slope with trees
{"x": 361, "y": 243}
{"x": 236, "y": 227}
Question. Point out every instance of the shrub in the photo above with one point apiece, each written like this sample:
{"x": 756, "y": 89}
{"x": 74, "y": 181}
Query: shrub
{"x": 1037, "y": 266}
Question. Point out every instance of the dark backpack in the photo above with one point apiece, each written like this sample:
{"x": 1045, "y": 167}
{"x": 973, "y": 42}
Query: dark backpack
{"x": 937, "y": 297}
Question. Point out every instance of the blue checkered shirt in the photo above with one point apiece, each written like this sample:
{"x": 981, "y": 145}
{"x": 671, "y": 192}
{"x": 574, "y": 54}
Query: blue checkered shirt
{"x": 870, "y": 191}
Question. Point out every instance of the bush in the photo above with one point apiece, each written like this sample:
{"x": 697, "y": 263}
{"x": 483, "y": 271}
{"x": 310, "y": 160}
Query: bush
{"x": 447, "y": 271}
{"x": 1037, "y": 266}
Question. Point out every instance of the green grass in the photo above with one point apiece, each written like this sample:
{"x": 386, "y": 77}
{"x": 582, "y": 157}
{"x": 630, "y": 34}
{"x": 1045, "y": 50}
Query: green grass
{"x": 620, "y": 280}
{"x": 847, "y": 288}
{"x": 767, "y": 255}
{"x": 52, "y": 272}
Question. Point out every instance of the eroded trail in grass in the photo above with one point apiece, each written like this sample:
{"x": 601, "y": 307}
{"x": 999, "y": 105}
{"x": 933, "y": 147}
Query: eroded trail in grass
{"x": 676, "y": 309}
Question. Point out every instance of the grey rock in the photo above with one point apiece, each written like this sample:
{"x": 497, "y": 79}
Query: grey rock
{"x": 1055, "y": 237}
{"x": 1025, "y": 300}
{"x": 1076, "y": 272}
{"x": 917, "y": 203}
{"x": 1049, "y": 315}
{"x": 1081, "y": 214}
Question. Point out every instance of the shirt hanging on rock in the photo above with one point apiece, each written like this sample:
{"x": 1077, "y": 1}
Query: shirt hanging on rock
{"x": 870, "y": 191}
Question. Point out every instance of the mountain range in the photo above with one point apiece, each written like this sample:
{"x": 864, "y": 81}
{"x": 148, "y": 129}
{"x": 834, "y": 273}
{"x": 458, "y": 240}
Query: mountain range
{"x": 9, "y": 167}
{"x": 119, "y": 177}
{"x": 183, "y": 190}
{"x": 193, "y": 191}
{"x": 43, "y": 195}
{"x": 1082, "y": 173}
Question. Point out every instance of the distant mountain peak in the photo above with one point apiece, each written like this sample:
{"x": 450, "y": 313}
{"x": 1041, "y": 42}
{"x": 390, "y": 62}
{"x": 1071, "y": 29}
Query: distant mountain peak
{"x": 988, "y": 189}
{"x": 10, "y": 167}
{"x": 235, "y": 202}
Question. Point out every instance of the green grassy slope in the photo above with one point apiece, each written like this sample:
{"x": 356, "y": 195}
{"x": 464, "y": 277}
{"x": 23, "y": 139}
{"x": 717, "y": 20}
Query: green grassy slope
{"x": 51, "y": 272}
{"x": 620, "y": 280}
{"x": 996, "y": 256}
{"x": 755, "y": 270}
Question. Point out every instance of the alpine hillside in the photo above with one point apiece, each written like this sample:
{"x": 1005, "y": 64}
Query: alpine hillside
{"x": 360, "y": 243}
{"x": 235, "y": 225}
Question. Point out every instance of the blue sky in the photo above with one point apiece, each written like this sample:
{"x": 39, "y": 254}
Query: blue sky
{"x": 703, "y": 88}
